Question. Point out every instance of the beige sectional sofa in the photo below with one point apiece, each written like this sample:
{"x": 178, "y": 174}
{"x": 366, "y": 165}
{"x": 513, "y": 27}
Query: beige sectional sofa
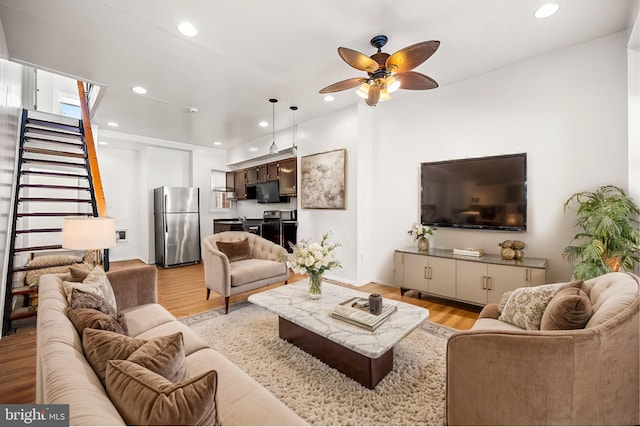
{"x": 500, "y": 374}
{"x": 64, "y": 376}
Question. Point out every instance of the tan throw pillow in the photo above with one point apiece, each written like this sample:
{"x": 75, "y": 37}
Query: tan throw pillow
{"x": 83, "y": 318}
{"x": 101, "y": 346}
{"x": 163, "y": 355}
{"x": 96, "y": 283}
{"x": 235, "y": 251}
{"x": 81, "y": 299}
{"x": 525, "y": 306}
{"x": 145, "y": 398}
{"x": 78, "y": 274}
{"x": 568, "y": 309}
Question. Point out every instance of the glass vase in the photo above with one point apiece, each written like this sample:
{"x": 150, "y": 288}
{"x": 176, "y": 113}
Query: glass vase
{"x": 423, "y": 244}
{"x": 315, "y": 285}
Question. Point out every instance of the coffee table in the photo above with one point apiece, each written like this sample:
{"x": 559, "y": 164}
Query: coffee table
{"x": 358, "y": 353}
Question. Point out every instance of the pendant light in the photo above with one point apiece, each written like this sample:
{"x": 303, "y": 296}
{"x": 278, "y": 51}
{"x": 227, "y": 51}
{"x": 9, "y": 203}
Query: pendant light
{"x": 294, "y": 129}
{"x": 274, "y": 148}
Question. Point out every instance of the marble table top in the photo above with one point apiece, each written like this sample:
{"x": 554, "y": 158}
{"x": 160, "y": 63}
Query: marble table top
{"x": 292, "y": 303}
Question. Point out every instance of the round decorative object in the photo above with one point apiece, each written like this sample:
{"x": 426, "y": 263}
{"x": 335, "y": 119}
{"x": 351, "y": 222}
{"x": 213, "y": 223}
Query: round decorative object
{"x": 507, "y": 253}
{"x": 423, "y": 244}
{"x": 519, "y": 254}
{"x": 315, "y": 286}
{"x": 506, "y": 244}
{"x": 517, "y": 245}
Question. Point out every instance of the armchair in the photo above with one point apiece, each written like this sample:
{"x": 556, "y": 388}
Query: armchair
{"x": 498, "y": 374}
{"x": 261, "y": 267}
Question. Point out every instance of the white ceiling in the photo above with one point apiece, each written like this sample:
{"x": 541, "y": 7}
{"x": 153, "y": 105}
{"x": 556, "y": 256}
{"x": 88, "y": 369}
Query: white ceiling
{"x": 248, "y": 51}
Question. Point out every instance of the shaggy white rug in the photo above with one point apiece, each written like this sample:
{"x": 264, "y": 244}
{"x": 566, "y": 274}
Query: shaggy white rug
{"x": 413, "y": 393}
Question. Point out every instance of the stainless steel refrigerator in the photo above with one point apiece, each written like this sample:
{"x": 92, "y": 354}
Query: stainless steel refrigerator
{"x": 177, "y": 225}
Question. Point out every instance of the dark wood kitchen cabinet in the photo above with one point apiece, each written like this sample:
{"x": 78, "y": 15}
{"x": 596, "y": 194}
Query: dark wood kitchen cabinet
{"x": 252, "y": 175}
{"x": 240, "y": 186}
{"x": 288, "y": 176}
{"x": 268, "y": 172}
{"x": 231, "y": 181}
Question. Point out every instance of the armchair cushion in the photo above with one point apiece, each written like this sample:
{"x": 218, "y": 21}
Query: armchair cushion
{"x": 248, "y": 271}
{"x": 235, "y": 251}
{"x": 568, "y": 309}
{"x": 525, "y": 306}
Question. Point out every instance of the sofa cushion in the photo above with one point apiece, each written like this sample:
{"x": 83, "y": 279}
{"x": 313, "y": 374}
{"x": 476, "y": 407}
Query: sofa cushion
{"x": 146, "y": 398}
{"x": 97, "y": 283}
{"x": 525, "y": 306}
{"x": 252, "y": 270}
{"x": 101, "y": 346}
{"x": 83, "y": 318}
{"x": 570, "y": 308}
{"x": 235, "y": 251}
{"x": 163, "y": 355}
{"x": 81, "y": 299}
{"x": 610, "y": 294}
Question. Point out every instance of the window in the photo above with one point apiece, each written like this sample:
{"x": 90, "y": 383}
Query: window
{"x": 219, "y": 194}
{"x": 70, "y": 110}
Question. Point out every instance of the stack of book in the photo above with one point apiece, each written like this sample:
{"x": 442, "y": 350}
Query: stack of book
{"x": 356, "y": 311}
{"x": 468, "y": 252}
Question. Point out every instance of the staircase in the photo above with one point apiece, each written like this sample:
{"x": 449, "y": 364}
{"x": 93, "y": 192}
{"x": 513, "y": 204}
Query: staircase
{"x": 53, "y": 181}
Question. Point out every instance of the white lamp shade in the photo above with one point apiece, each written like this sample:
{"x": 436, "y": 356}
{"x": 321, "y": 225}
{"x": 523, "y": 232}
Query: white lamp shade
{"x": 88, "y": 233}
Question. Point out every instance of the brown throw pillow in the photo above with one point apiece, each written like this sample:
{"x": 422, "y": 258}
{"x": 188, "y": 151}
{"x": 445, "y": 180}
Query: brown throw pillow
{"x": 101, "y": 346}
{"x": 145, "y": 398}
{"x": 82, "y": 299}
{"x": 163, "y": 355}
{"x": 235, "y": 251}
{"x": 97, "y": 283}
{"x": 83, "y": 318}
{"x": 568, "y": 309}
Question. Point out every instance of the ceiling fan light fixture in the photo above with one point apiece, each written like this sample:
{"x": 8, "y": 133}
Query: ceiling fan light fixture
{"x": 392, "y": 83}
{"x": 384, "y": 95}
{"x": 363, "y": 91}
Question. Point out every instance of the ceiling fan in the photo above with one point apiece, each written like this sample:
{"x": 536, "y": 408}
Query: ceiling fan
{"x": 386, "y": 73}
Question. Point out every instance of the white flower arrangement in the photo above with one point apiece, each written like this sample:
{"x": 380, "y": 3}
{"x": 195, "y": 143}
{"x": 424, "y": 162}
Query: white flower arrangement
{"x": 420, "y": 231}
{"x": 313, "y": 258}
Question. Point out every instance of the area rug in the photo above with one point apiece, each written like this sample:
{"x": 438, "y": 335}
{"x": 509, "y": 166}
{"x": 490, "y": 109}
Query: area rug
{"x": 413, "y": 393}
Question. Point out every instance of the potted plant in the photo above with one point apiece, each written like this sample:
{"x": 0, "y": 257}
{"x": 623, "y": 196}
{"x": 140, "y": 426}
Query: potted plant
{"x": 609, "y": 237}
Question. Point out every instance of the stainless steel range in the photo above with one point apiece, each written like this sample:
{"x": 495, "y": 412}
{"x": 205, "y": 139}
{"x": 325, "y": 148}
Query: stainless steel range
{"x": 280, "y": 227}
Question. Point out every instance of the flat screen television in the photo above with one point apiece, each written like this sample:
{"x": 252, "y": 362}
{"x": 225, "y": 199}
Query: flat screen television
{"x": 268, "y": 192}
{"x": 480, "y": 193}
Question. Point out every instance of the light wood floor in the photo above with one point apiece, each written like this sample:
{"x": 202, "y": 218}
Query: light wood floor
{"x": 182, "y": 291}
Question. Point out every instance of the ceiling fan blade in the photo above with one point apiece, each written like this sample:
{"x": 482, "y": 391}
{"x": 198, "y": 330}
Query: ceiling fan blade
{"x": 343, "y": 85}
{"x": 415, "y": 81}
{"x": 358, "y": 60}
{"x": 410, "y": 57}
{"x": 374, "y": 95}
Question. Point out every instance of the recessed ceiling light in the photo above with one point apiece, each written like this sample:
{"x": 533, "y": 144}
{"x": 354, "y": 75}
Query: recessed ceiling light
{"x": 103, "y": 143}
{"x": 217, "y": 143}
{"x": 329, "y": 98}
{"x": 546, "y": 10}
{"x": 187, "y": 29}
{"x": 263, "y": 124}
{"x": 139, "y": 90}
{"x": 253, "y": 149}
{"x": 193, "y": 110}
{"x": 112, "y": 124}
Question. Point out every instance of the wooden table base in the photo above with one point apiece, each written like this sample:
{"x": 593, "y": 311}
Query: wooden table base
{"x": 363, "y": 369}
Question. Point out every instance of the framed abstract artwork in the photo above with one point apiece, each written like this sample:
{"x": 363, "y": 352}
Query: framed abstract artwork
{"x": 323, "y": 180}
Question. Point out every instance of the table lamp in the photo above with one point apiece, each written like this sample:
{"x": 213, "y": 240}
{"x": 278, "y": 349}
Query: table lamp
{"x": 91, "y": 233}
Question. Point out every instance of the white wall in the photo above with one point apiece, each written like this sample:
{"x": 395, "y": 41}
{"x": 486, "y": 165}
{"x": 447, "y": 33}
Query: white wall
{"x": 566, "y": 110}
{"x": 10, "y": 111}
{"x": 132, "y": 166}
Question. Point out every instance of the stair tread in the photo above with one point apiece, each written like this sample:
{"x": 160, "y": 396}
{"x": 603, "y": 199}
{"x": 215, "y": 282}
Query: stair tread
{"x": 38, "y": 248}
{"x": 38, "y": 138}
{"x": 23, "y": 312}
{"x": 58, "y": 174}
{"x": 23, "y": 290}
{"x": 44, "y": 151}
{"x": 53, "y": 186}
{"x": 60, "y": 127}
{"x": 39, "y": 230}
{"x": 44, "y": 214}
{"x": 53, "y": 199}
{"x": 26, "y": 160}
